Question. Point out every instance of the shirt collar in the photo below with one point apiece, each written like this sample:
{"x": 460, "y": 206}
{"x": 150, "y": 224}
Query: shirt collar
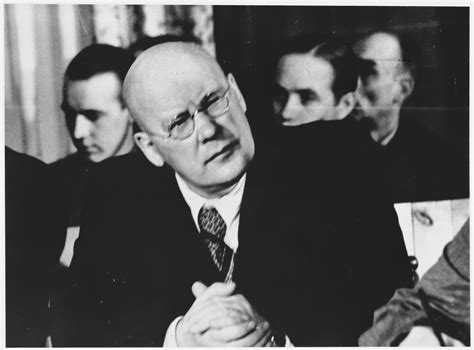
{"x": 384, "y": 141}
{"x": 228, "y": 205}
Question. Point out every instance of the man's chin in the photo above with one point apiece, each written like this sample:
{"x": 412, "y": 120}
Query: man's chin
{"x": 357, "y": 115}
{"x": 229, "y": 174}
{"x": 290, "y": 122}
{"x": 92, "y": 157}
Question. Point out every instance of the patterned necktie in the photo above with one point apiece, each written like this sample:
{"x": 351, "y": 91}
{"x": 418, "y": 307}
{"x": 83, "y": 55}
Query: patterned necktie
{"x": 213, "y": 229}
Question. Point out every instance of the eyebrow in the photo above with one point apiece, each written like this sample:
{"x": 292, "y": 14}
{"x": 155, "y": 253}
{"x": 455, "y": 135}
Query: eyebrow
{"x": 211, "y": 95}
{"x": 85, "y": 112}
{"x": 308, "y": 92}
{"x": 305, "y": 91}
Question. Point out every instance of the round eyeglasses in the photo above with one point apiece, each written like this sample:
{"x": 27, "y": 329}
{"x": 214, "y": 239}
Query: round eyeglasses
{"x": 213, "y": 105}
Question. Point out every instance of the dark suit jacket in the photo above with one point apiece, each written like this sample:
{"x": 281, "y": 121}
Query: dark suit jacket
{"x": 70, "y": 177}
{"x": 420, "y": 166}
{"x": 33, "y": 242}
{"x": 315, "y": 263}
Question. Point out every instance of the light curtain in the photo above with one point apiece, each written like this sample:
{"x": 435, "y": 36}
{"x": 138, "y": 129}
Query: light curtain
{"x": 40, "y": 40}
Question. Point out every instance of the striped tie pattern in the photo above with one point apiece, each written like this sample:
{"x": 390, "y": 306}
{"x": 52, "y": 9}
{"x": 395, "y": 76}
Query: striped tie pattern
{"x": 213, "y": 229}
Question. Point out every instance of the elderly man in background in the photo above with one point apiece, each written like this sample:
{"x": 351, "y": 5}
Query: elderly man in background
{"x": 202, "y": 241}
{"x": 418, "y": 164}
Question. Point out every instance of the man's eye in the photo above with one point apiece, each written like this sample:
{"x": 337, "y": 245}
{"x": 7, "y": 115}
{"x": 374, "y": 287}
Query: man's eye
{"x": 209, "y": 102}
{"x": 307, "y": 98}
{"x": 278, "y": 93}
{"x": 366, "y": 68}
{"x": 92, "y": 116}
{"x": 68, "y": 111}
{"x": 366, "y": 73}
{"x": 179, "y": 120}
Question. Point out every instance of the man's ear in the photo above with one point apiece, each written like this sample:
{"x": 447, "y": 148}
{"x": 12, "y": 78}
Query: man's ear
{"x": 406, "y": 84}
{"x": 128, "y": 115}
{"x": 236, "y": 89}
{"x": 345, "y": 105}
{"x": 145, "y": 143}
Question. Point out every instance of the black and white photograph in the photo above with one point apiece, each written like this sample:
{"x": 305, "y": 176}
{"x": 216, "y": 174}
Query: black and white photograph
{"x": 249, "y": 175}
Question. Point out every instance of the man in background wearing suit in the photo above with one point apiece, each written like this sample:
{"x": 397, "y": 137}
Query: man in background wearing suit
{"x": 96, "y": 117}
{"x": 313, "y": 93}
{"x": 100, "y": 127}
{"x": 199, "y": 241}
{"x": 417, "y": 163}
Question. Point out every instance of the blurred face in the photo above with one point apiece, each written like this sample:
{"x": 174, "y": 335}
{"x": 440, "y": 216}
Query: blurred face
{"x": 99, "y": 124}
{"x": 303, "y": 90}
{"x": 378, "y": 90}
{"x": 217, "y": 152}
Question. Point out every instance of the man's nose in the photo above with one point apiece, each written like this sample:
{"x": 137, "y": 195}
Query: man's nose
{"x": 359, "y": 86}
{"x": 82, "y": 127}
{"x": 290, "y": 107}
{"x": 206, "y": 126}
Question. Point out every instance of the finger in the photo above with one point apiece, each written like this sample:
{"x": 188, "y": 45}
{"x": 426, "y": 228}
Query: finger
{"x": 204, "y": 319}
{"x": 218, "y": 289}
{"x": 198, "y": 288}
{"x": 199, "y": 323}
{"x": 232, "y": 333}
{"x": 259, "y": 337}
{"x": 203, "y": 306}
{"x": 202, "y": 301}
{"x": 239, "y": 301}
{"x": 234, "y": 318}
{"x": 265, "y": 339}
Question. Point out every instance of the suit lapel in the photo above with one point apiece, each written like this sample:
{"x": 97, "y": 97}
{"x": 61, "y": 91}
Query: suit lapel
{"x": 173, "y": 233}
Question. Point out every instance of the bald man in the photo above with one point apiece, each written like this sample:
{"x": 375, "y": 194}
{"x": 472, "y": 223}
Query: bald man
{"x": 198, "y": 241}
{"x": 418, "y": 164}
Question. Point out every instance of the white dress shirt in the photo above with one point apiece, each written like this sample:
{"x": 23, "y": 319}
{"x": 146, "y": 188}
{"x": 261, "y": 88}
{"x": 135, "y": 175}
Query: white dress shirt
{"x": 228, "y": 207}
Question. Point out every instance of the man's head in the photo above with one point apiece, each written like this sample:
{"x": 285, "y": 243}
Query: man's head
{"x": 96, "y": 117}
{"x": 145, "y": 42}
{"x": 192, "y": 116}
{"x": 314, "y": 80}
{"x": 386, "y": 77}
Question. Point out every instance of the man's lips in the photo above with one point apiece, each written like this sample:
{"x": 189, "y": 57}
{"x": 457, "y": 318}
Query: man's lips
{"x": 226, "y": 149}
{"x": 89, "y": 149}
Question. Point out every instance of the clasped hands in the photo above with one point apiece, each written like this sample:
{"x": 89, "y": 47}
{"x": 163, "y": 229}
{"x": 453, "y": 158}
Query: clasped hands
{"x": 218, "y": 317}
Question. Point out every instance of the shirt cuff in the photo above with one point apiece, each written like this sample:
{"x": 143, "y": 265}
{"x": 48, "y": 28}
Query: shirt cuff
{"x": 288, "y": 343}
{"x": 170, "y": 337}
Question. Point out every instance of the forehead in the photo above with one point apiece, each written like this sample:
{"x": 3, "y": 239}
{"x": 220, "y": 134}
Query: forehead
{"x": 175, "y": 87}
{"x": 98, "y": 88}
{"x": 380, "y": 48}
{"x": 298, "y": 71}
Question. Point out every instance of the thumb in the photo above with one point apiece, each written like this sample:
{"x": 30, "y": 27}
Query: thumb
{"x": 198, "y": 288}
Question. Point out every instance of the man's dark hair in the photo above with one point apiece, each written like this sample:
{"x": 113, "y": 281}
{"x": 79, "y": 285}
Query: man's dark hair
{"x": 146, "y": 42}
{"x": 99, "y": 58}
{"x": 335, "y": 51}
